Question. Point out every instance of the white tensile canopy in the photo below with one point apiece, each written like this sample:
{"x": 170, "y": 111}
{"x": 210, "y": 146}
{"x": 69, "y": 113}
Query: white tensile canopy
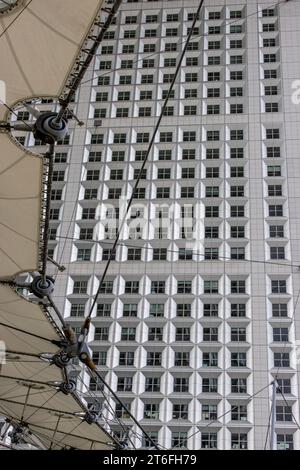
{"x": 38, "y": 47}
{"x": 40, "y": 41}
{"x": 28, "y": 381}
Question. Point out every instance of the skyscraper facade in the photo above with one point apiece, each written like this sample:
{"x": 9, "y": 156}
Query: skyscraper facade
{"x": 199, "y": 310}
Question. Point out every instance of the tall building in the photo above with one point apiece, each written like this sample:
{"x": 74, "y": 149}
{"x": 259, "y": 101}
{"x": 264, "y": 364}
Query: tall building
{"x": 199, "y": 310}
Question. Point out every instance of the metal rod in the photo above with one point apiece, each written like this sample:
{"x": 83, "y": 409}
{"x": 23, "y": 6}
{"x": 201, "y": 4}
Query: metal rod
{"x": 146, "y": 158}
{"x": 273, "y": 440}
{"x": 90, "y": 55}
{"x": 125, "y": 408}
{"x": 48, "y": 155}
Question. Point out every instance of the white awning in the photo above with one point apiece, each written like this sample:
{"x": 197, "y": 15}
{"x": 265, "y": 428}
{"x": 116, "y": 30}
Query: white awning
{"x": 28, "y": 382}
{"x": 39, "y": 47}
{"x": 20, "y": 208}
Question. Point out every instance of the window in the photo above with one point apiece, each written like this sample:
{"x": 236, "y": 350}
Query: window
{"x": 209, "y": 413}
{"x": 80, "y": 287}
{"x": 188, "y": 154}
{"x": 184, "y": 287}
{"x": 213, "y": 136}
{"x": 142, "y": 137}
{"x": 236, "y": 75}
{"x": 214, "y": 45}
{"x": 211, "y": 253}
{"x": 120, "y": 138}
{"x": 155, "y": 334}
{"x": 54, "y": 214}
{"x": 267, "y": 12}
{"x": 163, "y": 193}
{"x": 237, "y": 253}
{"x": 166, "y": 93}
{"x": 270, "y": 58}
{"x": 210, "y": 385}
{"x": 189, "y": 136}
{"x": 214, "y": 15}
{"x": 181, "y": 384}
{"x": 128, "y": 334}
{"x": 214, "y": 60}
{"x": 209, "y": 440}
{"x": 211, "y": 232}
{"x": 238, "y": 359}
{"x": 148, "y": 63}
{"x": 281, "y": 334}
{"x": 130, "y": 310}
{"x": 239, "y": 441}
{"x": 134, "y": 254}
{"x": 269, "y": 74}
{"x": 182, "y": 334}
{"x": 210, "y": 334}
{"x": 236, "y": 153}
{"x": 238, "y": 287}
{"x": 236, "y": 29}
{"x": 191, "y": 61}
{"x": 152, "y": 384}
{"x": 77, "y": 310}
{"x": 210, "y": 359}
{"x": 129, "y": 34}
{"x": 211, "y": 287}
{"x": 60, "y": 157}
{"x": 236, "y": 44}
{"x": 170, "y": 62}
{"x": 101, "y": 334}
{"x": 171, "y": 32}
{"x": 124, "y": 96}
{"x": 153, "y": 435}
{"x": 238, "y": 310}
{"x": 276, "y": 210}
{"x": 157, "y": 287}
{"x": 166, "y": 137}
{"x": 191, "y": 77}
{"x": 154, "y": 358}
{"x": 277, "y": 252}
{"x": 151, "y": 411}
{"x": 180, "y": 411}
{"x": 190, "y": 110}
{"x": 114, "y": 193}
{"x": 84, "y": 254}
{"x": 103, "y": 81}
{"x": 86, "y": 234}
{"x": 131, "y": 287}
{"x": 126, "y": 358}
{"x": 237, "y": 172}
{"x": 124, "y": 384}
{"x": 128, "y": 49}
{"x": 274, "y": 170}
{"x": 278, "y": 286}
{"x": 187, "y": 192}
{"x": 56, "y": 194}
{"x": 271, "y": 107}
{"x": 239, "y": 385}
{"x": 58, "y": 176}
{"x": 185, "y": 254}
{"x": 165, "y": 155}
{"x": 179, "y": 439}
{"x": 183, "y": 310}
{"x": 210, "y": 310}
{"x": 213, "y": 109}
{"x": 212, "y": 154}
{"x": 105, "y": 65}
{"x": 237, "y": 191}
{"x": 99, "y": 358}
{"x": 281, "y": 360}
{"x": 285, "y": 442}
{"x": 238, "y": 334}
{"x": 157, "y": 310}
{"x": 284, "y": 413}
{"x": 146, "y": 79}
{"x": 237, "y": 211}
{"x": 236, "y": 108}
{"x": 236, "y": 59}
{"x": 182, "y": 359}
{"x": 116, "y": 174}
{"x": 279, "y": 310}
{"x": 284, "y": 386}
{"x": 171, "y": 47}
{"x": 103, "y": 310}
{"x": 118, "y": 156}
